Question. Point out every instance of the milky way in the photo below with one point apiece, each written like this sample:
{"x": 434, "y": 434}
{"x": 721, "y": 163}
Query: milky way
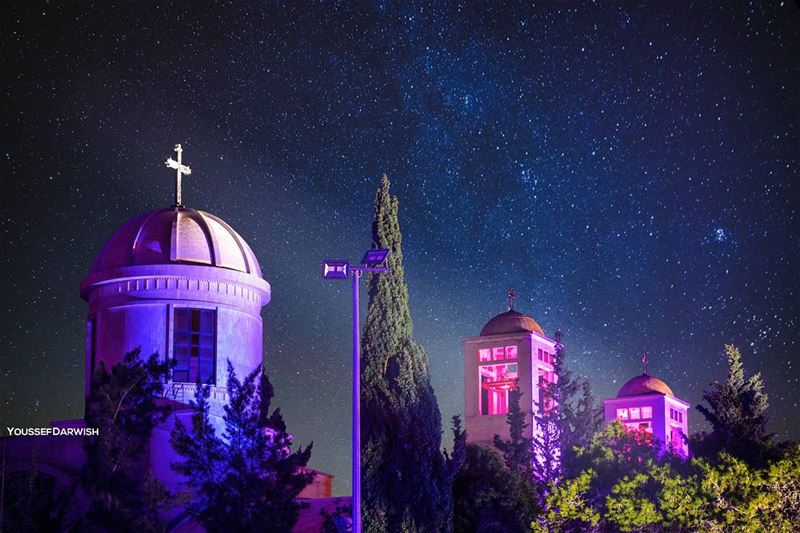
{"x": 631, "y": 170}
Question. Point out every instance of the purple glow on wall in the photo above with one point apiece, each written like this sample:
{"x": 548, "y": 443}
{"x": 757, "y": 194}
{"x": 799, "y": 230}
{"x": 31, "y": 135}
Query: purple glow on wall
{"x": 646, "y": 403}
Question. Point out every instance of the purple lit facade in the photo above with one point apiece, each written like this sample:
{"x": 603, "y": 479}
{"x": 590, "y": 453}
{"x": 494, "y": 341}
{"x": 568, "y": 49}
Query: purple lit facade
{"x": 511, "y": 350}
{"x": 646, "y": 403}
{"x": 183, "y": 284}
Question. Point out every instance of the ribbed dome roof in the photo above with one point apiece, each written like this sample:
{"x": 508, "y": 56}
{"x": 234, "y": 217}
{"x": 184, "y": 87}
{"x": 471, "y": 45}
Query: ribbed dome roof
{"x": 511, "y": 322}
{"x": 176, "y": 235}
{"x": 644, "y": 384}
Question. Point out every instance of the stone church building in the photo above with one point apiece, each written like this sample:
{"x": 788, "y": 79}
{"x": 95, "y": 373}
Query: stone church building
{"x": 181, "y": 283}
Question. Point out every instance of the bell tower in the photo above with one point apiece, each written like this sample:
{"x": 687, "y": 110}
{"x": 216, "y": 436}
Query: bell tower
{"x": 510, "y": 351}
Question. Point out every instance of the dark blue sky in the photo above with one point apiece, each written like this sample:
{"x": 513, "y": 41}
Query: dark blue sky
{"x": 632, "y": 170}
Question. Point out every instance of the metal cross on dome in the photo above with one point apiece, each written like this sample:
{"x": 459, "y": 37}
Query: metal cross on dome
{"x": 180, "y": 168}
{"x": 511, "y": 297}
{"x": 644, "y": 363}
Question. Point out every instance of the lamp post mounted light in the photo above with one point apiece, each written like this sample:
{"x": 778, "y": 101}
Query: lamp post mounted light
{"x": 341, "y": 269}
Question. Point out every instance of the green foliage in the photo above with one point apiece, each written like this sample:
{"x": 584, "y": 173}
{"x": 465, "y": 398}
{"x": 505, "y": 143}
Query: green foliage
{"x": 608, "y": 488}
{"x": 569, "y": 507}
{"x": 737, "y": 414}
{"x": 730, "y": 495}
{"x": 630, "y": 504}
{"x": 616, "y": 452}
{"x": 780, "y": 495}
{"x": 406, "y": 478}
{"x": 742, "y": 483}
{"x": 489, "y": 496}
{"x": 123, "y": 406}
{"x": 624, "y": 490}
{"x": 565, "y": 419}
{"x": 248, "y": 479}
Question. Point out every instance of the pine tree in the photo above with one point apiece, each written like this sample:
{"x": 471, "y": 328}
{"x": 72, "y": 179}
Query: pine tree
{"x": 406, "y": 477}
{"x": 565, "y": 418}
{"x": 546, "y": 443}
{"x": 123, "y": 406}
{"x": 737, "y": 412}
{"x": 517, "y": 449}
{"x": 579, "y": 417}
{"x": 248, "y": 479}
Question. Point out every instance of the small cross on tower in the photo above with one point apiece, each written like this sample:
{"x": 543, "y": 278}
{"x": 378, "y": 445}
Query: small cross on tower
{"x": 644, "y": 363}
{"x": 511, "y": 297}
{"x": 180, "y": 168}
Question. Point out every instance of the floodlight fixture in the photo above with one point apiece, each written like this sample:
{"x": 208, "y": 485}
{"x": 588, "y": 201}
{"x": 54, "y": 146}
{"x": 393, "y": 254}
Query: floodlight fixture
{"x": 340, "y": 269}
{"x": 335, "y": 269}
{"x": 375, "y": 257}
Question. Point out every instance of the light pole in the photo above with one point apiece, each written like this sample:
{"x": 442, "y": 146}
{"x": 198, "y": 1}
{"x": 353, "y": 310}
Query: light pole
{"x": 340, "y": 269}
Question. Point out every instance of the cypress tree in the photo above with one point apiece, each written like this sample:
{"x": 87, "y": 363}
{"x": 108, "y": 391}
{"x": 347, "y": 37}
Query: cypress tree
{"x": 407, "y": 480}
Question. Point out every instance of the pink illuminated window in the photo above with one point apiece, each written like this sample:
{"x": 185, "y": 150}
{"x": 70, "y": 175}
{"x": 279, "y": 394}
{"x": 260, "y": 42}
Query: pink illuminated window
{"x": 496, "y": 382}
{"x": 500, "y": 353}
{"x": 546, "y": 377}
{"x": 545, "y": 357}
{"x": 622, "y": 414}
{"x": 647, "y": 412}
{"x": 639, "y": 426}
{"x": 676, "y": 438}
{"x": 635, "y": 413}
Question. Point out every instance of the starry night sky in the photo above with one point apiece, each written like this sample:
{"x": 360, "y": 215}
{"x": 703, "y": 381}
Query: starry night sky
{"x": 631, "y": 170}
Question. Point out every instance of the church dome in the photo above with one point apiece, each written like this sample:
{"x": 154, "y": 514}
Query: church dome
{"x": 644, "y": 384}
{"x": 511, "y": 322}
{"x": 176, "y": 235}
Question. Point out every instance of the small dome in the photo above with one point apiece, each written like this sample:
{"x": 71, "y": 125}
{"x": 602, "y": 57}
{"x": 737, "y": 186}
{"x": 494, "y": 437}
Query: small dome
{"x": 511, "y": 322}
{"x": 176, "y": 235}
{"x": 644, "y": 384}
